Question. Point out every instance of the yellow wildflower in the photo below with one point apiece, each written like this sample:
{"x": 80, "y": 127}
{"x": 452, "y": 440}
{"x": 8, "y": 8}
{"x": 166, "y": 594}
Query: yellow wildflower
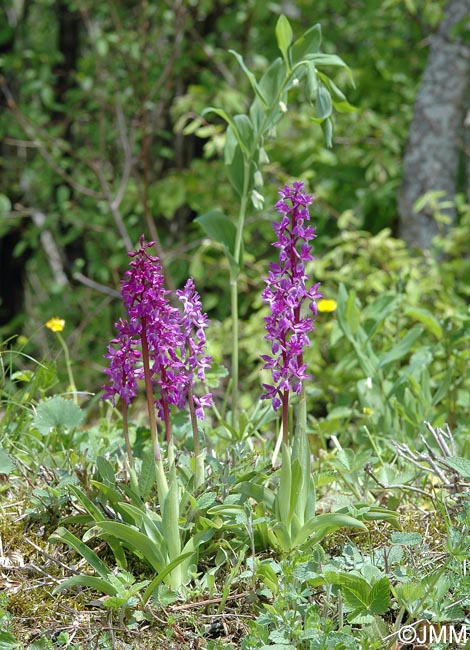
{"x": 56, "y": 324}
{"x": 367, "y": 411}
{"x": 326, "y": 304}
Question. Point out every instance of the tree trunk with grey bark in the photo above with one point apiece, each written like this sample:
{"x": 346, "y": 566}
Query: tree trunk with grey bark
{"x": 436, "y": 139}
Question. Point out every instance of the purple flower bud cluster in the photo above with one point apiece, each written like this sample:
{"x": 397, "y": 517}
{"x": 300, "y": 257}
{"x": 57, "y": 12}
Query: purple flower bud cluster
{"x": 193, "y": 324}
{"x": 286, "y": 293}
{"x": 175, "y": 350}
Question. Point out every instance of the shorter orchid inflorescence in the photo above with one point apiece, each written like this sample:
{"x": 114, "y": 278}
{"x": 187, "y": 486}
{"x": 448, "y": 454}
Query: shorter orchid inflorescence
{"x": 157, "y": 344}
{"x": 289, "y": 324}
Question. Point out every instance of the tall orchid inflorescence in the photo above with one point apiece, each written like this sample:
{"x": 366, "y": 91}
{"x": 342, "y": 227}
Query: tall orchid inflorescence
{"x": 289, "y": 324}
{"x": 157, "y": 344}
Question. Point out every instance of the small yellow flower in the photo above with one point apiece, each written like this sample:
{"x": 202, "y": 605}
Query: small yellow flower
{"x": 367, "y": 411}
{"x": 56, "y": 324}
{"x": 326, "y": 304}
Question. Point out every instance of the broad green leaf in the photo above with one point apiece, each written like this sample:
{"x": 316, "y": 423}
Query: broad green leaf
{"x": 357, "y": 598}
{"x": 297, "y": 482}
{"x": 6, "y": 464}
{"x": 106, "y": 470}
{"x": 460, "y": 465}
{"x": 380, "y": 596}
{"x": 8, "y": 641}
{"x": 147, "y": 476}
{"x": 170, "y": 518}
{"x": 134, "y": 539}
{"x": 308, "y": 44}
{"x": 57, "y": 413}
{"x": 338, "y": 98}
{"x": 284, "y": 36}
{"x": 272, "y": 81}
{"x": 402, "y": 348}
{"x": 428, "y": 319}
{"x": 406, "y": 539}
{"x": 221, "y": 230}
{"x": 285, "y": 487}
{"x": 330, "y": 59}
{"x": 66, "y": 537}
{"x": 324, "y": 105}
{"x": 246, "y": 133}
{"x": 235, "y": 163}
{"x": 251, "y": 78}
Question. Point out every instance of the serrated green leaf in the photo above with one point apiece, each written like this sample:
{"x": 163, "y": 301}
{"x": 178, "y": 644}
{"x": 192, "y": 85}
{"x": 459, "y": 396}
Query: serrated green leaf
{"x": 380, "y": 596}
{"x": 57, "y": 413}
{"x": 6, "y": 464}
{"x": 461, "y": 465}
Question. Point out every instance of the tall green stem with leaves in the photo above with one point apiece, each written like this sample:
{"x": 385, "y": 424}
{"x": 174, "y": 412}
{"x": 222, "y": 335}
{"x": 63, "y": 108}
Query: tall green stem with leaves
{"x": 244, "y": 152}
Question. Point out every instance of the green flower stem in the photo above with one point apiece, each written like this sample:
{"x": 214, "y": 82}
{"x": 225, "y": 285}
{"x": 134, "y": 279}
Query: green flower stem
{"x": 198, "y": 457}
{"x": 149, "y": 393}
{"x": 285, "y": 417}
{"x": 68, "y": 365}
{"x": 234, "y": 288}
{"x": 125, "y": 426}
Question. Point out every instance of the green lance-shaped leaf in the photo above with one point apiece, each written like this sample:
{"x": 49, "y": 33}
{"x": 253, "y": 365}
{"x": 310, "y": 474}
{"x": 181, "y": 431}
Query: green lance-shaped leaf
{"x": 330, "y": 59}
{"x": 284, "y": 37}
{"x": 326, "y": 524}
{"x": 63, "y": 535}
{"x": 428, "y": 319}
{"x": 251, "y": 78}
{"x": 162, "y": 484}
{"x": 305, "y": 503}
{"x": 324, "y": 105}
{"x": 147, "y": 476}
{"x": 272, "y": 80}
{"x": 402, "y": 348}
{"x": 309, "y": 43}
{"x": 170, "y": 517}
{"x": 283, "y": 501}
{"x": 163, "y": 574}
{"x": 98, "y": 584}
{"x": 134, "y": 539}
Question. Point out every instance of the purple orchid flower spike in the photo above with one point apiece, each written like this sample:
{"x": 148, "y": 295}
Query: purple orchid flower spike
{"x": 293, "y": 306}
